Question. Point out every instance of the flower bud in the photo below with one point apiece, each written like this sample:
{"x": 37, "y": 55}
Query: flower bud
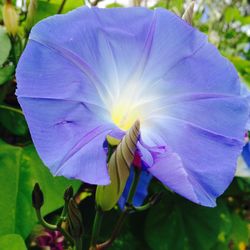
{"x": 119, "y": 168}
{"x": 10, "y": 18}
{"x": 32, "y": 7}
{"x": 188, "y": 14}
{"x": 37, "y": 197}
{"x": 68, "y": 194}
{"x": 74, "y": 220}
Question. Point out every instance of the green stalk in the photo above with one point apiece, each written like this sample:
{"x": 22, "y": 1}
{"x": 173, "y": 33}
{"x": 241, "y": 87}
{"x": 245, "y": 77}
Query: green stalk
{"x": 133, "y": 186}
{"x": 96, "y": 227}
{"x": 78, "y": 244}
{"x": 53, "y": 227}
{"x": 43, "y": 222}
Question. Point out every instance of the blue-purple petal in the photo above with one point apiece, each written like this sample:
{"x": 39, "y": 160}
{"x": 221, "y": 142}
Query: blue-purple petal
{"x": 141, "y": 190}
{"x": 68, "y": 137}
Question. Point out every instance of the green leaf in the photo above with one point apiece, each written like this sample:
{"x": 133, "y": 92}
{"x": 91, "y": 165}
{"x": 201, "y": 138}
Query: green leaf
{"x": 240, "y": 63}
{"x": 6, "y": 73}
{"x": 231, "y": 14}
{"x": 239, "y": 233}
{"x": 243, "y": 67}
{"x": 124, "y": 242}
{"x": 71, "y": 5}
{"x": 119, "y": 167}
{"x": 5, "y": 45}
{"x": 13, "y": 120}
{"x": 1, "y": 11}
{"x": 238, "y": 236}
{"x": 178, "y": 224}
{"x": 114, "y": 5}
{"x": 12, "y": 242}
{"x": 45, "y": 9}
{"x": 21, "y": 168}
{"x": 48, "y": 8}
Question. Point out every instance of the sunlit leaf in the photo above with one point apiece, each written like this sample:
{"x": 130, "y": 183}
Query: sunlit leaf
{"x": 114, "y": 5}
{"x": 70, "y": 5}
{"x": 47, "y": 8}
{"x": 12, "y": 242}
{"x": 231, "y": 14}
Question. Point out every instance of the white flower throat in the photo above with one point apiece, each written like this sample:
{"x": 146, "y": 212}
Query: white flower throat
{"x": 126, "y": 109}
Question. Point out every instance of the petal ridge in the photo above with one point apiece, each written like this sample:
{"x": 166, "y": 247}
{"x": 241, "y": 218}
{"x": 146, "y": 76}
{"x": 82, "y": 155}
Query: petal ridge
{"x": 85, "y": 103}
{"x": 76, "y": 60}
{"x": 87, "y": 138}
{"x": 226, "y": 139}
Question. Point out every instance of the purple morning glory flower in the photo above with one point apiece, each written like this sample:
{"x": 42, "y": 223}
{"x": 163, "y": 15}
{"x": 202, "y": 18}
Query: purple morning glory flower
{"x": 93, "y": 72}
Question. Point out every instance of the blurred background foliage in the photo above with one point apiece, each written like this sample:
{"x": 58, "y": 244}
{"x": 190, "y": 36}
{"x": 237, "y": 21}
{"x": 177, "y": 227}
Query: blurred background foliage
{"x": 174, "y": 223}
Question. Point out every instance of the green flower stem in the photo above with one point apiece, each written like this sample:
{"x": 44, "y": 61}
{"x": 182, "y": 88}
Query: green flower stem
{"x": 43, "y": 222}
{"x": 96, "y": 227}
{"x": 133, "y": 186}
{"x": 13, "y": 49}
{"x": 142, "y": 208}
{"x": 53, "y": 227}
{"x": 115, "y": 232}
{"x": 64, "y": 213}
{"x": 123, "y": 215}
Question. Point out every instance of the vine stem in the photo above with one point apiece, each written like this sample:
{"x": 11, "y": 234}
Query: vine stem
{"x": 53, "y": 227}
{"x": 78, "y": 244}
{"x": 61, "y": 7}
{"x": 96, "y": 228}
{"x": 43, "y": 222}
{"x": 123, "y": 216}
{"x": 133, "y": 186}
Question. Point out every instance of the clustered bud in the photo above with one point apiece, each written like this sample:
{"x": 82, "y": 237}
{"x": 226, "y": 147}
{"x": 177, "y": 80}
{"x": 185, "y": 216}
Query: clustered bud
{"x": 32, "y": 7}
{"x": 68, "y": 194}
{"x": 37, "y": 197}
{"x": 74, "y": 220}
{"x": 10, "y": 18}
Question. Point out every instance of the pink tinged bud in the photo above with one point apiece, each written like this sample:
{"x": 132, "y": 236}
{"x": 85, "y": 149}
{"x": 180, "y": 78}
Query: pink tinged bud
{"x": 137, "y": 162}
{"x": 10, "y": 18}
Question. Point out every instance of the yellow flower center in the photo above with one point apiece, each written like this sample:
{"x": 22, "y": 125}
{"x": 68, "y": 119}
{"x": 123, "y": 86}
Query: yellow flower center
{"x": 124, "y": 115}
